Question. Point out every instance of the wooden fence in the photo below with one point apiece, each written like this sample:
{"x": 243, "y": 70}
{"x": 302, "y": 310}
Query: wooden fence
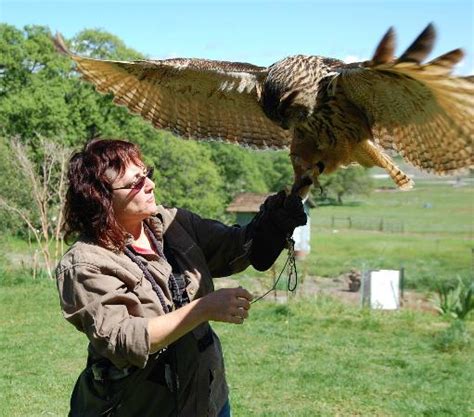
{"x": 380, "y": 224}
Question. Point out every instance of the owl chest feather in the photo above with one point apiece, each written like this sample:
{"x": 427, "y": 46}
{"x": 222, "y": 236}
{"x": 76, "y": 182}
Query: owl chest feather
{"x": 331, "y": 133}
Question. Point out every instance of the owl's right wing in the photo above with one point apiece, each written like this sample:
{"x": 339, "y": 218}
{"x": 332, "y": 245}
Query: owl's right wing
{"x": 418, "y": 110}
{"x": 193, "y": 98}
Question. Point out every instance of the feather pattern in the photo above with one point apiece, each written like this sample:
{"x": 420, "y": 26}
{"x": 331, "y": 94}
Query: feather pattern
{"x": 193, "y": 98}
{"x": 329, "y": 113}
{"x": 418, "y": 110}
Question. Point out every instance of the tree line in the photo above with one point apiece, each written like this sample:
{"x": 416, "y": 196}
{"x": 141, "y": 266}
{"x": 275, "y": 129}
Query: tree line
{"x": 43, "y": 101}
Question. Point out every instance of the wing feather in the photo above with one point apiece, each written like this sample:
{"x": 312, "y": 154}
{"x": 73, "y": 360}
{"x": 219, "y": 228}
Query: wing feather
{"x": 194, "y": 98}
{"x": 418, "y": 110}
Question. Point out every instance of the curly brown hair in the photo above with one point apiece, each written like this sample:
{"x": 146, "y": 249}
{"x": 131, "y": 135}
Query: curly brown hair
{"x": 88, "y": 208}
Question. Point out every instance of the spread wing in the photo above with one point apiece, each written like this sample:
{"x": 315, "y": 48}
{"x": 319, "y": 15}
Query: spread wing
{"x": 194, "y": 98}
{"x": 418, "y": 110}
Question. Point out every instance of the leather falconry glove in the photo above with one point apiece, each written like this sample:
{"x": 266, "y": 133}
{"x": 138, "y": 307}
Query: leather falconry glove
{"x": 278, "y": 217}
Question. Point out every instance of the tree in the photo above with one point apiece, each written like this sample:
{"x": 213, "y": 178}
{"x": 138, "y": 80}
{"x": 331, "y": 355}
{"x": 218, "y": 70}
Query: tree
{"x": 97, "y": 43}
{"x": 31, "y": 87}
{"x": 238, "y": 168}
{"x": 45, "y": 183}
{"x": 11, "y": 185}
{"x": 276, "y": 169}
{"x": 348, "y": 181}
{"x": 185, "y": 175}
{"x": 41, "y": 95}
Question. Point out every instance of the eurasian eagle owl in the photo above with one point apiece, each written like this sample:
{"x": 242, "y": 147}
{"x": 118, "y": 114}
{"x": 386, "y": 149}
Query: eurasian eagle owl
{"x": 328, "y": 113}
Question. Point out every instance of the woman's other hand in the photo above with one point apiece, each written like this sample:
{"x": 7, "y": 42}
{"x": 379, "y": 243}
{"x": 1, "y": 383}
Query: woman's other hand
{"x": 229, "y": 305}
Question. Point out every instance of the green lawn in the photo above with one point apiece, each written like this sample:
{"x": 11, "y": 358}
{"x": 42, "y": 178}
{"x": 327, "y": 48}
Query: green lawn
{"x": 312, "y": 357}
{"x": 431, "y": 207}
{"x": 436, "y": 243}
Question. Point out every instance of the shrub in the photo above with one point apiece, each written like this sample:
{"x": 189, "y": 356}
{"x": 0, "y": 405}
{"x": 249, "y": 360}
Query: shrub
{"x": 455, "y": 300}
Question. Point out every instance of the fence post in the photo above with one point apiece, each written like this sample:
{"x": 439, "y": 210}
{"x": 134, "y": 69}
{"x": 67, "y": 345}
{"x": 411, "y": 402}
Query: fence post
{"x": 350, "y": 222}
{"x": 381, "y": 225}
{"x": 332, "y": 222}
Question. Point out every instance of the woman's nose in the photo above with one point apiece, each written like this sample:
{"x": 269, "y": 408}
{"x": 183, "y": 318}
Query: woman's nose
{"x": 149, "y": 184}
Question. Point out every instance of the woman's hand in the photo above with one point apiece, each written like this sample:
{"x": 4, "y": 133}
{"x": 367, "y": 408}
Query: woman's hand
{"x": 229, "y": 305}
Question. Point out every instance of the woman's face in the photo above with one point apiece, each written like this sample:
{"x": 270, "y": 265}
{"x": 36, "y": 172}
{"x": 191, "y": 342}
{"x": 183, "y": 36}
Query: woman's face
{"x": 132, "y": 197}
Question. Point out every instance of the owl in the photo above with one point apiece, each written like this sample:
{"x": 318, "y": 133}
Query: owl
{"x": 327, "y": 113}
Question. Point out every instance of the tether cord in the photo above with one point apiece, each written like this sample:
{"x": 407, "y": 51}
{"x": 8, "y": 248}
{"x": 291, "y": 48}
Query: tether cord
{"x": 292, "y": 271}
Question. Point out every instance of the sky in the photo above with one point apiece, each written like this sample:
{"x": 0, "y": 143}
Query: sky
{"x": 260, "y": 32}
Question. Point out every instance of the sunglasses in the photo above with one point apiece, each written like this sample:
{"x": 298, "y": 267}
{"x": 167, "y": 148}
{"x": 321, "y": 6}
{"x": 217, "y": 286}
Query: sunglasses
{"x": 139, "y": 182}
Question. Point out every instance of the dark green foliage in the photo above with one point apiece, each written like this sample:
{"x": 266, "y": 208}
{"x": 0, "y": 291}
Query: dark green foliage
{"x": 276, "y": 169}
{"x": 185, "y": 175}
{"x": 238, "y": 168}
{"x": 349, "y": 181}
{"x": 40, "y": 94}
{"x": 32, "y": 84}
{"x": 97, "y": 43}
{"x": 455, "y": 299}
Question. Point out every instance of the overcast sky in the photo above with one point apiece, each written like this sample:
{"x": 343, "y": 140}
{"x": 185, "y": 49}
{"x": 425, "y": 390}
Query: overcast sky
{"x": 260, "y": 32}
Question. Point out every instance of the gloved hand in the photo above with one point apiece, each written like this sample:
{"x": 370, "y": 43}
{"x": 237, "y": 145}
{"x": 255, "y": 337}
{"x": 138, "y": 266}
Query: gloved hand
{"x": 278, "y": 217}
{"x": 286, "y": 212}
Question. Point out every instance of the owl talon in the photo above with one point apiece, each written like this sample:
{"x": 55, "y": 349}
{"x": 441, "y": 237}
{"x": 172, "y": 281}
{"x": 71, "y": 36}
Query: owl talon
{"x": 301, "y": 184}
{"x": 318, "y": 185}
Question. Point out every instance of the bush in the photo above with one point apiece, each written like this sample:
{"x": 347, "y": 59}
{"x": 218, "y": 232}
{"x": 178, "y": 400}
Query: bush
{"x": 455, "y": 299}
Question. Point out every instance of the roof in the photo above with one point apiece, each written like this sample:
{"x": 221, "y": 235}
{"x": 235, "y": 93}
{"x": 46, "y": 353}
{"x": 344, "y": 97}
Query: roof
{"x": 251, "y": 202}
{"x": 246, "y": 203}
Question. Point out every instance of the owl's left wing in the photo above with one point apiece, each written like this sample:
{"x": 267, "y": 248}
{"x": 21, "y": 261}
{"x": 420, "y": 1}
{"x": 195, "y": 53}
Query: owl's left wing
{"x": 193, "y": 98}
{"x": 418, "y": 110}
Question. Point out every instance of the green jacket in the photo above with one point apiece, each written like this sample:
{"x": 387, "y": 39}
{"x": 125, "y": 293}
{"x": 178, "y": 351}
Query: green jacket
{"x": 106, "y": 296}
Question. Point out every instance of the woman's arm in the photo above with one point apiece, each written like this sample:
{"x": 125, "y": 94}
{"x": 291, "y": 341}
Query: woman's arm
{"x": 228, "y": 305}
{"x": 102, "y": 307}
{"x": 230, "y": 249}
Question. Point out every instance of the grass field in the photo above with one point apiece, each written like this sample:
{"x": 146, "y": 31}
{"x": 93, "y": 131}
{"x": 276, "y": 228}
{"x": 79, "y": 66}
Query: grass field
{"x": 437, "y": 242}
{"x": 312, "y": 357}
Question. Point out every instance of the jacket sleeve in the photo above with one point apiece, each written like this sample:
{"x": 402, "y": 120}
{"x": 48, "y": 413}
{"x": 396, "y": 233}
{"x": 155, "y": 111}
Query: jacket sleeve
{"x": 231, "y": 249}
{"x": 225, "y": 248}
{"x": 101, "y": 306}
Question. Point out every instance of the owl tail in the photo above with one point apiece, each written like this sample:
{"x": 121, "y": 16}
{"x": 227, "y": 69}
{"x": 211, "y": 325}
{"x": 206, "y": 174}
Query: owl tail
{"x": 367, "y": 154}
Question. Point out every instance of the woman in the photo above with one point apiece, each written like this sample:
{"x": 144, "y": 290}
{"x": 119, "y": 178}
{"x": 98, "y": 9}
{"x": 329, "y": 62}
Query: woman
{"x": 138, "y": 282}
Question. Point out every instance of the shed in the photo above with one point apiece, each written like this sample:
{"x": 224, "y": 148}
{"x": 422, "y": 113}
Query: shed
{"x": 246, "y": 205}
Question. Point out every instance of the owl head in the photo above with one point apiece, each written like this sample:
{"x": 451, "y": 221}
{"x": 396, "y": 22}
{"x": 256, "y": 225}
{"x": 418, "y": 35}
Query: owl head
{"x": 290, "y": 90}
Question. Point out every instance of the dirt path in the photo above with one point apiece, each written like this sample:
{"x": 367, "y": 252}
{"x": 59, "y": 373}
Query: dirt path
{"x": 337, "y": 288}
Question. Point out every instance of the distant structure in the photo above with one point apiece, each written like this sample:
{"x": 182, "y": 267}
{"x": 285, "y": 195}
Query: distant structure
{"x": 246, "y": 205}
